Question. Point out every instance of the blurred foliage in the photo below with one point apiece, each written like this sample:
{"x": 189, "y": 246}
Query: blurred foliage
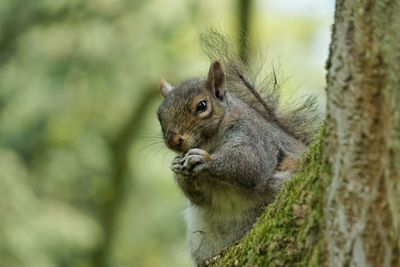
{"x": 84, "y": 177}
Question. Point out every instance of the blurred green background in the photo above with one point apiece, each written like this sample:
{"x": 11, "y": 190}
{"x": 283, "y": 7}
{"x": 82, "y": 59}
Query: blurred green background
{"x": 84, "y": 175}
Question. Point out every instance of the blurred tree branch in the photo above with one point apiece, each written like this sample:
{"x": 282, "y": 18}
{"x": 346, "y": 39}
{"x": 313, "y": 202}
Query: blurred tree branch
{"x": 120, "y": 146}
{"x": 244, "y": 11}
{"x": 25, "y": 15}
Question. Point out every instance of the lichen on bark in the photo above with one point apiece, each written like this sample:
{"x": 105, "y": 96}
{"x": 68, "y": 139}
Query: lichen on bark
{"x": 289, "y": 233}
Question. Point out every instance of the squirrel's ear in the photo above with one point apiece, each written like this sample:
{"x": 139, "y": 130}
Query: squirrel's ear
{"x": 216, "y": 78}
{"x": 165, "y": 88}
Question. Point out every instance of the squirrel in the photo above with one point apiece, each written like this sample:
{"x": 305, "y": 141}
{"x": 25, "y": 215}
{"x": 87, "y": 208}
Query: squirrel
{"x": 235, "y": 149}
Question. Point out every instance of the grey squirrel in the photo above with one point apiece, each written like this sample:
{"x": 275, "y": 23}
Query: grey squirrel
{"x": 235, "y": 149}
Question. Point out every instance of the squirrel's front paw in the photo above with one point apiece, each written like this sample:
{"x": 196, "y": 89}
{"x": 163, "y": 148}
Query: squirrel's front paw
{"x": 194, "y": 162}
{"x": 177, "y": 165}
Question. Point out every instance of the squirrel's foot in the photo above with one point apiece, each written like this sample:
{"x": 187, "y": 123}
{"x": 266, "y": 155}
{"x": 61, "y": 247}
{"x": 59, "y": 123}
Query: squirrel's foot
{"x": 194, "y": 162}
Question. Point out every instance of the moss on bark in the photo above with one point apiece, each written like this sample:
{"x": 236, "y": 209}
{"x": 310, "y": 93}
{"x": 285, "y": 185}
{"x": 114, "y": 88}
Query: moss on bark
{"x": 289, "y": 233}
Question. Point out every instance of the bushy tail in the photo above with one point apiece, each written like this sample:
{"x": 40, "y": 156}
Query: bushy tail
{"x": 301, "y": 120}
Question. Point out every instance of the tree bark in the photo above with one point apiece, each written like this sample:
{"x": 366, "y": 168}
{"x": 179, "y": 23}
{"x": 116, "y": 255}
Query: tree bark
{"x": 362, "y": 141}
{"x": 343, "y": 208}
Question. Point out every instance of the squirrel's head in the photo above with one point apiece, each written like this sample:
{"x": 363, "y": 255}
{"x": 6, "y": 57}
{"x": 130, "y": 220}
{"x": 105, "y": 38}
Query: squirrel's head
{"x": 190, "y": 113}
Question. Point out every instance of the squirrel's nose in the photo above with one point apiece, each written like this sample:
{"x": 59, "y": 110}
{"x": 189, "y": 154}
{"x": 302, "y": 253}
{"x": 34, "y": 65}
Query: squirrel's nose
{"x": 178, "y": 142}
{"x": 175, "y": 141}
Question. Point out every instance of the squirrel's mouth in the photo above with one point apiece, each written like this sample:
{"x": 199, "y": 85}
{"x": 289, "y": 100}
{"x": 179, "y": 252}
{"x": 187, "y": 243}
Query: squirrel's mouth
{"x": 178, "y": 147}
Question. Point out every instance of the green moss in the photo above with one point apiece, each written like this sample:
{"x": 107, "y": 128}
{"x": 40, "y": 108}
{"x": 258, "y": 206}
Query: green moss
{"x": 289, "y": 233}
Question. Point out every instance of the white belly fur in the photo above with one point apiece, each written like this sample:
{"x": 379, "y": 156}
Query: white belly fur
{"x": 229, "y": 216}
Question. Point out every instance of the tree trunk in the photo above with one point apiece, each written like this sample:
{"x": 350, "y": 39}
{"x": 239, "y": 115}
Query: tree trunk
{"x": 362, "y": 141}
{"x": 356, "y": 221}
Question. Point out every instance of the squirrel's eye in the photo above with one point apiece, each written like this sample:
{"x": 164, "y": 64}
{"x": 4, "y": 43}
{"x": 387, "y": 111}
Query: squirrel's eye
{"x": 202, "y": 106}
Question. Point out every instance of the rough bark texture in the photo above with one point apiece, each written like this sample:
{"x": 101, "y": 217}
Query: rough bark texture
{"x": 362, "y": 142}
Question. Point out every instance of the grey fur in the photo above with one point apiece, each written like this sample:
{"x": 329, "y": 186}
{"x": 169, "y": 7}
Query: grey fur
{"x": 229, "y": 192}
{"x": 262, "y": 93}
{"x": 229, "y": 155}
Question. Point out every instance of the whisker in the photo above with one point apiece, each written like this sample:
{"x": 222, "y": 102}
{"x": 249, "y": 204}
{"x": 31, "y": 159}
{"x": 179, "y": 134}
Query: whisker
{"x": 151, "y": 138}
{"x": 151, "y": 146}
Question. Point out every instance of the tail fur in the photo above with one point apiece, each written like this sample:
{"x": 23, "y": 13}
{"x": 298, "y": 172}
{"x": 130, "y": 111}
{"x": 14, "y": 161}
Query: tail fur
{"x": 300, "y": 119}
